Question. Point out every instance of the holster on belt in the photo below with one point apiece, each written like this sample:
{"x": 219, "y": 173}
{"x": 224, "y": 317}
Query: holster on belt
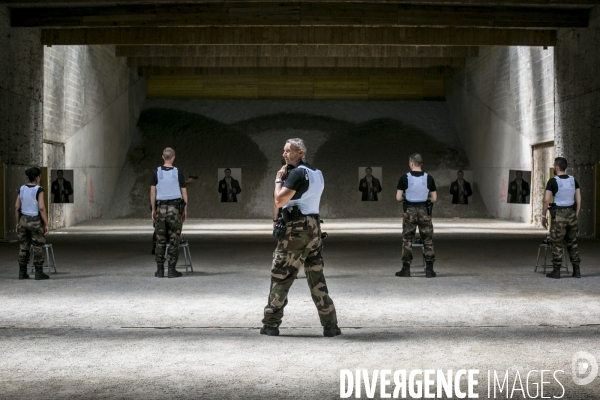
{"x": 279, "y": 229}
{"x": 291, "y": 214}
{"x": 404, "y": 205}
{"x": 429, "y": 207}
{"x": 552, "y": 209}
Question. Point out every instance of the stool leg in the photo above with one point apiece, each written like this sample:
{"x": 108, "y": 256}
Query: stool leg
{"x": 423, "y": 254}
{"x": 185, "y": 256}
{"x": 190, "y": 257}
{"x": 545, "y": 258}
{"x": 537, "y": 261}
{"x": 53, "y": 260}
{"x": 47, "y": 260}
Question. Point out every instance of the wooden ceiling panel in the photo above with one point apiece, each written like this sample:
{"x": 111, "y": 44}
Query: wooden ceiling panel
{"x": 537, "y": 3}
{"x": 264, "y": 71}
{"x": 301, "y": 36}
{"x": 299, "y": 14}
{"x": 296, "y": 51}
{"x": 297, "y": 62}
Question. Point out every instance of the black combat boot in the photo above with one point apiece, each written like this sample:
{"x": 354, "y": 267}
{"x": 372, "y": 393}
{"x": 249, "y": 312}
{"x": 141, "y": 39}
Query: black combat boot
{"x": 554, "y": 274}
{"x": 160, "y": 271}
{"x": 405, "y": 271}
{"x": 173, "y": 273}
{"x": 39, "y": 274}
{"x": 331, "y": 331}
{"x": 269, "y": 330}
{"x": 429, "y": 270}
{"x": 576, "y": 271}
{"x": 23, "y": 272}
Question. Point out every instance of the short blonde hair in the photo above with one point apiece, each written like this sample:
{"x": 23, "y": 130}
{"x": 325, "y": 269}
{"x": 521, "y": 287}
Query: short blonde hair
{"x": 298, "y": 144}
{"x": 168, "y": 153}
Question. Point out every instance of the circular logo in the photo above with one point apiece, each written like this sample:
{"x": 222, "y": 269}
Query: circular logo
{"x": 584, "y": 368}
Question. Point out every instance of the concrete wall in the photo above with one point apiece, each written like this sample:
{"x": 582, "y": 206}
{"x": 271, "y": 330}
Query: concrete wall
{"x": 578, "y": 108}
{"x": 250, "y": 134}
{"x": 21, "y": 88}
{"x": 502, "y": 103}
{"x": 91, "y": 104}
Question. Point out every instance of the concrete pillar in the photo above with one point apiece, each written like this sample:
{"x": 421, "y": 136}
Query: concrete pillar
{"x": 21, "y": 93}
{"x": 577, "y": 108}
{"x": 21, "y": 109}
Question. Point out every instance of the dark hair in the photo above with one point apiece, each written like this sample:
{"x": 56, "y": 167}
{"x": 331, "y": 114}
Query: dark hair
{"x": 369, "y": 168}
{"x": 227, "y": 169}
{"x": 33, "y": 173}
{"x": 561, "y": 163}
{"x": 60, "y": 170}
{"x": 460, "y": 171}
{"x": 416, "y": 159}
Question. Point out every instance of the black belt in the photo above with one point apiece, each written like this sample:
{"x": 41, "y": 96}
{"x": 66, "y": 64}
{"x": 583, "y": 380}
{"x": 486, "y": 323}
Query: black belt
{"x": 409, "y": 204}
{"x": 564, "y": 207}
{"x": 174, "y": 202}
{"x": 296, "y": 209}
{"x": 292, "y": 214}
{"x": 32, "y": 218}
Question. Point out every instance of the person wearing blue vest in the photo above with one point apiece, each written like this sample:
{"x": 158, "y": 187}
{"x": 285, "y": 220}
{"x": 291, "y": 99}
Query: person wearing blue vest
{"x": 168, "y": 197}
{"x": 417, "y": 190}
{"x": 565, "y": 210}
{"x": 32, "y": 224}
{"x": 298, "y": 194}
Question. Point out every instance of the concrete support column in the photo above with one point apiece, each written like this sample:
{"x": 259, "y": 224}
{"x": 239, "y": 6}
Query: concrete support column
{"x": 21, "y": 109}
{"x": 577, "y": 109}
{"x": 21, "y": 93}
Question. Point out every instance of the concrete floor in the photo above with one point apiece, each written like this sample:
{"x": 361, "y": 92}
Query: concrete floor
{"x": 104, "y": 327}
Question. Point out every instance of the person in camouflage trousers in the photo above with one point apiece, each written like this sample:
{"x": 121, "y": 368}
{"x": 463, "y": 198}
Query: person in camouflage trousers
{"x": 418, "y": 192}
{"x": 565, "y": 211}
{"x": 300, "y": 247}
{"x": 188, "y": 181}
{"x": 32, "y": 224}
{"x": 167, "y": 229}
{"x": 564, "y": 228}
{"x": 417, "y": 217}
{"x": 297, "y": 227}
{"x": 168, "y": 199}
{"x": 31, "y": 234}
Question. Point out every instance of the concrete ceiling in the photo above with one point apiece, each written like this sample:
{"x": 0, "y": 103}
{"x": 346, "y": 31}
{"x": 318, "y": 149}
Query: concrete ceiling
{"x": 299, "y": 37}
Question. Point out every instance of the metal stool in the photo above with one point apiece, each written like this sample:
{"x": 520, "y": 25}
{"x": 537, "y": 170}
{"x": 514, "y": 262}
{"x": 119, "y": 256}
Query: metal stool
{"x": 187, "y": 255}
{"x": 546, "y": 246}
{"x": 419, "y": 243}
{"x": 49, "y": 250}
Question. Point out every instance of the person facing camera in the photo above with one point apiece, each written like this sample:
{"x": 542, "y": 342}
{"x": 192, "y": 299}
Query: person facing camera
{"x": 369, "y": 186}
{"x": 229, "y": 188}
{"x": 460, "y": 189}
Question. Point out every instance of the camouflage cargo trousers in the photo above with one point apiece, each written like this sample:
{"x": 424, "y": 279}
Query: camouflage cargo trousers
{"x": 31, "y": 233}
{"x": 416, "y": 216}
{"x": 301, "y": 246}
{"x": 167, "y": 229}
{"x": 564, "y": 226}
